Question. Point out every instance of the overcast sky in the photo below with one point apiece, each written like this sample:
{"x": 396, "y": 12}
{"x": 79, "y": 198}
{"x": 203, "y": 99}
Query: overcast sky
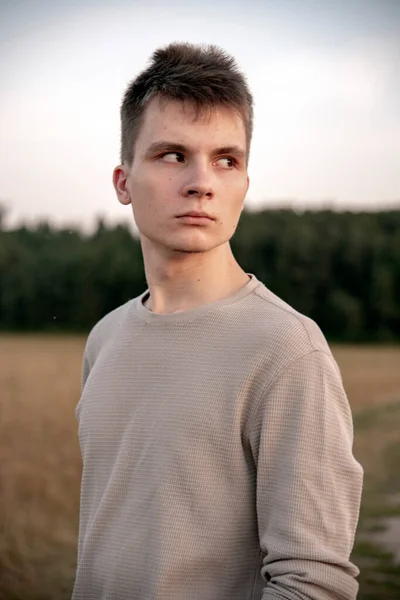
{"x": 325, "y": 77}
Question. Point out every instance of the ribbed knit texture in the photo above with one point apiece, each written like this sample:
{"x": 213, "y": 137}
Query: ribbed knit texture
{"x": 217, "y": 456}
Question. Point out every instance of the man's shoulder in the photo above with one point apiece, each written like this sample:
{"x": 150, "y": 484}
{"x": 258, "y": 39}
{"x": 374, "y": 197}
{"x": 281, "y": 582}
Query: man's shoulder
{"x": 288, "y": 332}
{"x": 107, "y": 327}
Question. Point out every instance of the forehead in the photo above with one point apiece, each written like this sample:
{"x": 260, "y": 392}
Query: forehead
{"x": 184, "y": 123}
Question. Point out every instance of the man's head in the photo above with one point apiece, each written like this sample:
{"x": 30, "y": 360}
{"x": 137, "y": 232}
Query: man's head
{"x": 205, "y": 77}
{"x": 186, "y": 128}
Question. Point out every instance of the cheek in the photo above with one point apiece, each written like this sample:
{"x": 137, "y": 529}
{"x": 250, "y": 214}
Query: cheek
{"x": 151, "y": 190}
{"x": 149, "y": 207}
{"x": 140, "y": 192}
{"x": 235, "y": 203}
{"x": 237, "y": 195}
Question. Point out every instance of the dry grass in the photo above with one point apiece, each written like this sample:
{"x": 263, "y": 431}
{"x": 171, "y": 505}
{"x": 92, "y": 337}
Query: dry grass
{"x": 40, "y": 464}
{"x": 371, "y": 374}
{"x": 40, "y": 460}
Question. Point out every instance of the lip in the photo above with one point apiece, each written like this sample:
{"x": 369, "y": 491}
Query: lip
{"x": 196, "y": 215}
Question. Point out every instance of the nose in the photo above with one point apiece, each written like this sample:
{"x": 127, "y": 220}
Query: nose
{"x": 199, "y": 182}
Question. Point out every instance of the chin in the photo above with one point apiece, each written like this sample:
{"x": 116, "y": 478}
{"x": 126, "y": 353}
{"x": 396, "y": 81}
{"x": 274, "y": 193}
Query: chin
{"x": 194, "y": 248}
{"x": 199, "y": 243}
{"x": 190, "y": 244}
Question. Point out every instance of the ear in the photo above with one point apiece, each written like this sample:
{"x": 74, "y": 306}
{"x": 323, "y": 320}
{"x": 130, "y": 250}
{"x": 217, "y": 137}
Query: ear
{"x": 120, "y": 177}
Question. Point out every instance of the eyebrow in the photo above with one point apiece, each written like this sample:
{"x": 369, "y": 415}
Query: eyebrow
{"x": 165, "y": 146}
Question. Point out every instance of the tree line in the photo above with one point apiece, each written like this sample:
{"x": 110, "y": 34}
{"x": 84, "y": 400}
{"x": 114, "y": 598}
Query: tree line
{"x": 340, "y": 268}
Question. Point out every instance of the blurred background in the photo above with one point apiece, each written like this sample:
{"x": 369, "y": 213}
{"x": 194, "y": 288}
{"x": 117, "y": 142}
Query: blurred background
{"x": 321, "y": 229}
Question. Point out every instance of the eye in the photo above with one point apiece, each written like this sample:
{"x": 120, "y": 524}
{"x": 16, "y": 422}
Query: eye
{"x": 173, "y": 157}
{"x": 225, "y": 162}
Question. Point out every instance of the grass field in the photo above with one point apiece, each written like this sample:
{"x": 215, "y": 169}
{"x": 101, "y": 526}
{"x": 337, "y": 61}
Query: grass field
{"x": 40, "y": 465}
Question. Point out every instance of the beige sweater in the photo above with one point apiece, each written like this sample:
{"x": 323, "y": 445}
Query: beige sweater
{"x": 217, "y": 456}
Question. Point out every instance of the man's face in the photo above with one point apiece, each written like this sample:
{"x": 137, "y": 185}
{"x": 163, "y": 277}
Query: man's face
{"x": 184, "y": 164}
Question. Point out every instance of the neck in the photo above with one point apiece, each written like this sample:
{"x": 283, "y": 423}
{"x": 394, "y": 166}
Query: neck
{"x": 187, "y": 280}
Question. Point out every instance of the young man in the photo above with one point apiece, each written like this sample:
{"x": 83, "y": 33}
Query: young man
{"x": 215, "y": 433}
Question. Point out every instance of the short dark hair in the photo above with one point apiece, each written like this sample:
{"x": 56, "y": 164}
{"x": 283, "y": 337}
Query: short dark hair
{"x": 205, "y": 76}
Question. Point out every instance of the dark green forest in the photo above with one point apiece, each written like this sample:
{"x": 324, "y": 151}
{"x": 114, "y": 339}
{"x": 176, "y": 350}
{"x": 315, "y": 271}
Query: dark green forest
{"x": 340, "y": 268}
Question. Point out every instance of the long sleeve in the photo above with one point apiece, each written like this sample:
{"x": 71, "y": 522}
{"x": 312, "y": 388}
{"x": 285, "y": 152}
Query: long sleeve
{"x": 308, "y": 483}
{"x": 86, "y": 366}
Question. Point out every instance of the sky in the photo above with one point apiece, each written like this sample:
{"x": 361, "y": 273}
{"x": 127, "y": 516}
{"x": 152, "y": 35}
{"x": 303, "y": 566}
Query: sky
{"x": 325, "y": 76}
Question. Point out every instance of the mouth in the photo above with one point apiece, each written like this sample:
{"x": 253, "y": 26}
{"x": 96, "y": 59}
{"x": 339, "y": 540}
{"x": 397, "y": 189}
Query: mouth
{"x": 194, "y": 214}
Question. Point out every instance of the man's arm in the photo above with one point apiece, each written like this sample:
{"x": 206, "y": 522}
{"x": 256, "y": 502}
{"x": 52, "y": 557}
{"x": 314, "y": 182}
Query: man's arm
{"x": 308, "y": 483}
